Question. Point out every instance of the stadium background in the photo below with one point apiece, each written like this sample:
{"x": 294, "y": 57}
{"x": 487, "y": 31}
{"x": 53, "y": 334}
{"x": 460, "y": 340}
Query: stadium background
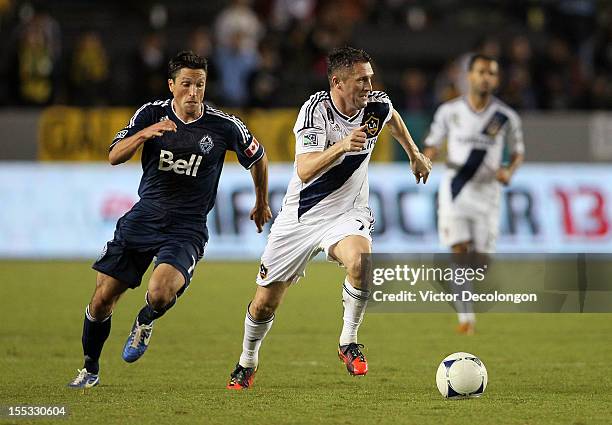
{"x": 74, "y": 71}
{"x": 73, "y": 74}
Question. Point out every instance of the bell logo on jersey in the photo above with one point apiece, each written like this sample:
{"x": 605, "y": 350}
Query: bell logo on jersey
{"x": 180, "y": 166}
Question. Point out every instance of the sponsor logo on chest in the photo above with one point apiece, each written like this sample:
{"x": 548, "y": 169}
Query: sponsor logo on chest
{"x": 180, "y": 166}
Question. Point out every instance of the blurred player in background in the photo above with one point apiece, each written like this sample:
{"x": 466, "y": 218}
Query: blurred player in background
{"x": 326, "y": 204}
{"x": 183, "y": 149}
{"x": 477, "y": 128}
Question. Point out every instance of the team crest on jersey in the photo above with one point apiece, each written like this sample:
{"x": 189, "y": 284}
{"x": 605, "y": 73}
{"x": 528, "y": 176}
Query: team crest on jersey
{"x": 206, "y": 144}
{"x": 372, "y": 123}
{"x": 495, "y": 124}
{"x": 263, "y": 271}
{"x": 164, "y": 118}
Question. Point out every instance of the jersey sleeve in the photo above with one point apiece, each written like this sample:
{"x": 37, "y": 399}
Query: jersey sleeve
{"x": 382, "y": 97}
{"x": 247, "y": 148}
{"x": 142, "y": 118}
{"x": 438, "y": 129}
{"x": 309, "y": 130}
{"x": 515, "y": 135}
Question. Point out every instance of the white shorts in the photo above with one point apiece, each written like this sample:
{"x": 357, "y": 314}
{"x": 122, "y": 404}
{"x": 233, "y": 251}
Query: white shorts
{"x": 472, "y": 216}
{"x": 482, "y": 232}
{"x": 291, "y": 244}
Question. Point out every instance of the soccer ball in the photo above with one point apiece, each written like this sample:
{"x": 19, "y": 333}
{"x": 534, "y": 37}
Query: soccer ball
{"x": 461, "y": 375}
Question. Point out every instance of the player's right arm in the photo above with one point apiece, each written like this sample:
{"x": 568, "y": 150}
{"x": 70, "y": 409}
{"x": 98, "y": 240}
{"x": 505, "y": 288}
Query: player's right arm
{"x": 437, "y": 133}
{"x": 125, "y": 150}
{"x": 312, "y": 163}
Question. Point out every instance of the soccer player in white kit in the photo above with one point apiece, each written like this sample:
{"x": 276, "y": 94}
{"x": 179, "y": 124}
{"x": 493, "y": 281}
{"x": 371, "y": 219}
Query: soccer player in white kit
{"x": 326, "y": 204}
{"x": 477, "y": 128}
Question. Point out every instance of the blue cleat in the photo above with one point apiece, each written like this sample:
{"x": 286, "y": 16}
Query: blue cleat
{"x": 137, "y": 342}
{"x": 84, "y": 380}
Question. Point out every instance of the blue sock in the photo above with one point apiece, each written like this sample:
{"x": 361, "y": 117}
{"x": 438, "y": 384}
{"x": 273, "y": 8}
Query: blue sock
{"x": 147, "y": 314}
{"x": 95, "y": 334}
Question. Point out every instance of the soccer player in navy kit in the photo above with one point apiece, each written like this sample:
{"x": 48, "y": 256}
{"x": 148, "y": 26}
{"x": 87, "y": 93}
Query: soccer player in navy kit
{"x": 183, "y": 149}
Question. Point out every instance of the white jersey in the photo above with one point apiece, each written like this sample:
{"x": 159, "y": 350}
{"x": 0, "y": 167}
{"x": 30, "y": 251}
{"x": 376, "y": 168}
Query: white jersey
{"x": 343, "y": 185}
{"x": 469, "y": 194}
{"x": 476, "y": 140}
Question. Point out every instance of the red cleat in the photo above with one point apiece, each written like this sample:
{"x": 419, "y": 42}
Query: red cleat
{"x": 466, "y": 328}
{"x": 241, "y": 378}
{"x": 353, "y": 358}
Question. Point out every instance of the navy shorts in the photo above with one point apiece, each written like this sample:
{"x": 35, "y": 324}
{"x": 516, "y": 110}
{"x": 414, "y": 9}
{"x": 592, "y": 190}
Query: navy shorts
{"x": 147, "y": 232}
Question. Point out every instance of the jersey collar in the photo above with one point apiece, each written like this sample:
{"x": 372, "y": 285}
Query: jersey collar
{"x": 344, "y": 117}
{"x": 179, "y": 118}
{"x": 483, "y": 110}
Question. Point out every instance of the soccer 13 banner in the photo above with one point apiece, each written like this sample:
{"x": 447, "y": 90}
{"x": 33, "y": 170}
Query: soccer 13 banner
{"x": 68, "y": 210}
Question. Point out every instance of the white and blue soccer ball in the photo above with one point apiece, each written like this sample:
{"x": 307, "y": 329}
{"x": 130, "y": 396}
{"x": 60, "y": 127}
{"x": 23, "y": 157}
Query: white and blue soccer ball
{"x": 461, "y": 375}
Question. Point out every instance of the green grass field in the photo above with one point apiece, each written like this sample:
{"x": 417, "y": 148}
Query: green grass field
{"x": 543, "y": 369}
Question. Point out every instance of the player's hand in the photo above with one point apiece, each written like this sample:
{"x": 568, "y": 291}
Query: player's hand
{"x": 421, "y": 167}
{"x": 260, "y": 214}
{"x": 158, "y": 129}
{"x": 503, "y": 176}
{"x": 355, "y": 141}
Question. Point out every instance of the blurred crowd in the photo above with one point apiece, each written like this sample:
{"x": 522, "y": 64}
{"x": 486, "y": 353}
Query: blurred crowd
{"x": 271, "y": 53}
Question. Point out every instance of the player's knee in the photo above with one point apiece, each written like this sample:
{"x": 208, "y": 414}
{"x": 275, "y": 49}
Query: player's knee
{"x": 160, "y": 296}
{"x": 99, "y": 308}
{"x": 461, "y": 248}
{"x": 104, "y": 298}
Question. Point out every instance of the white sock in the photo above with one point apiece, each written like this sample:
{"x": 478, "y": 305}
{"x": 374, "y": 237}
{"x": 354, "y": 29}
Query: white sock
{"x": 254, "y": 333}
{"x": 354, "y": 301}
{"x": 466, "y": 317}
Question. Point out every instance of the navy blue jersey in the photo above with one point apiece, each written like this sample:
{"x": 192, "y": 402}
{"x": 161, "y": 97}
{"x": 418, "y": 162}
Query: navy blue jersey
{"x": 181, "y": 169}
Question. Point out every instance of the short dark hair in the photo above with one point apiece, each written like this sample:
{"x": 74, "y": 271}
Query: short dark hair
{"x": 343, "y": 58}
{"x": 479, "y": 56}
{"x": 186, "y": 59}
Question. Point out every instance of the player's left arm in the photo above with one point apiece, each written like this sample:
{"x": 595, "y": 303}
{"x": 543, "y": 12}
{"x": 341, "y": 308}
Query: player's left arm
{"x": 419, "y": 163}
{"x": 260, "y": 213}
{"x": 504, "y": 174}
{"x": 252, "y": 156}
{"x": 517, "y": 147}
